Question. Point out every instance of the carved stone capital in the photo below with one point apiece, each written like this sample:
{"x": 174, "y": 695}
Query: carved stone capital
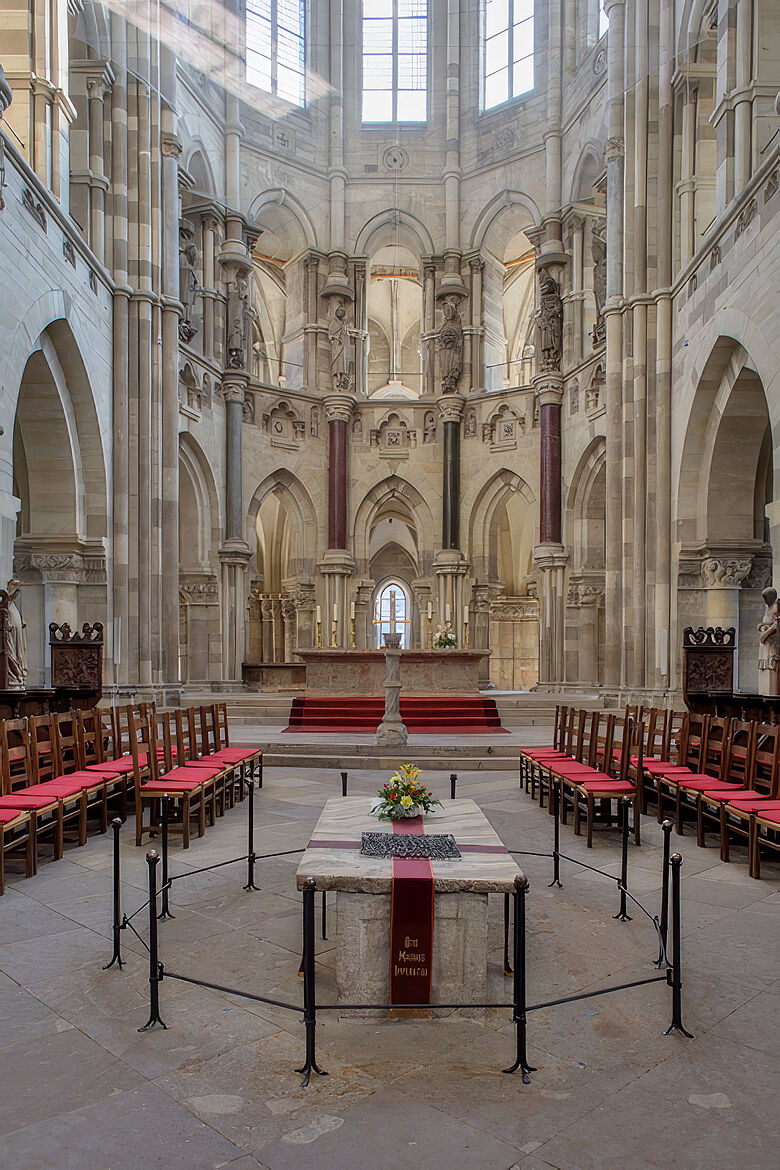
{"x": 339, "y": 406}
{"x": 451, "y": 407}
{"x": 724, "y": 573}
{"x": 234, "y": 391}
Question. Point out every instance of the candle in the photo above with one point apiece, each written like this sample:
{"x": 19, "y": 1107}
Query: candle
{"x": 447, "y": 612}
{"x": 466, "y": 613}
{"x": 319, "y": 615}
{"x": 335, "y": 612}
{"x": 352, "y": 610}
{"x": 430, "y": 611}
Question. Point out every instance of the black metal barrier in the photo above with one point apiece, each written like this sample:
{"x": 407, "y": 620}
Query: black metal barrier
{"x": 671, "y": 973}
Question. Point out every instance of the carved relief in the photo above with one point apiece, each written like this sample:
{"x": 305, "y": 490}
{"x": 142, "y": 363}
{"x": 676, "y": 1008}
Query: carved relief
{"x": 714, "y": 256}
{"x": 574, "y": 397}
{"x": 772, "y": 184}
{"x": 284, "y": 426}
{"x": 340, "y": 347}
{"x": 357, "y": 429}
{"x": 393, "y": 437}
{"x": 34, "y": 206}
{"x": 248, "y": 408}
{"x": 189, "y": 388}
{"x": 593, "y": 395}
{"x": 188, "y": 279}
{"x": 746, "y": 217}
{"x": 470, "y": 424}
{"x": 729, "y": 573}
{"x": 429, "y": 427}
{"x": 598, "y": 249}
{"x": 314, "y": 422}
{"x": 68, "y": 251}
{"x": 502, "y": 429}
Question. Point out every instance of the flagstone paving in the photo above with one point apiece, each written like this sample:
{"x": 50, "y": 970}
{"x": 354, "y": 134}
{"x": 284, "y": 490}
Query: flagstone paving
{"x": 80, "y": 1087}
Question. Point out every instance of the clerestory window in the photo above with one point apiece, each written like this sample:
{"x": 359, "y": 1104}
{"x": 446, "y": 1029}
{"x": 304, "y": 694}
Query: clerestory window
{"x": 395, "y": 60}
{"x": 507, "y": 50}
{"x": 276, "y": 46}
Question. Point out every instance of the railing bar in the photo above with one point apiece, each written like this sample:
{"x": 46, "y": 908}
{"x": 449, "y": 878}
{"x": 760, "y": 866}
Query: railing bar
{"x": 591, "y": 994}
{"x": 142, "y": 941}
{"x": 366, "y": 1007}
{"x": 293, "y": 1007}
{"x": 232, "y": 860}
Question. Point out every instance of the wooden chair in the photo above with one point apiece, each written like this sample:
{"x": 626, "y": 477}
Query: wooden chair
{"x": 605, "y": 788}
{"x": 92, "y": 737}
{"x": 251, "y": 758}
{"x": 16, "y": 832}
{"x": 78, "y": 794}
{"x": 540, "y": 758}
{"x": 690, "y": 755}
{"x": 17, "y": 771}
{"x": 760, "y": 795}
{"x": 188, "y": 792}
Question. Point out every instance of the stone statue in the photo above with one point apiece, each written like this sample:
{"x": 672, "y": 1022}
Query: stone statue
{"x": 767, "y": 645}
{"x": 238, "y": 298}
{"x": 598, "y": 250}
{"x": 15, "y": 640}
{"x": 429, "y": 428}
{"x": 338, "y": 335}
{"x": 450, "y": 346}
{"x": 550, "y": 321}
{"x": 188, "y": 279}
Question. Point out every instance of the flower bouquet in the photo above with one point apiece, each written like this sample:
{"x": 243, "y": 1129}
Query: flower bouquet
{"x": 444, "y": 638}
{"x": 403, "y": 796}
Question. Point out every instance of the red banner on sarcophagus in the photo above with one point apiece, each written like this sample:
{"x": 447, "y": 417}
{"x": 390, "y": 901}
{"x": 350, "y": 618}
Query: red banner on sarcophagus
{"x": 411, "y": 924}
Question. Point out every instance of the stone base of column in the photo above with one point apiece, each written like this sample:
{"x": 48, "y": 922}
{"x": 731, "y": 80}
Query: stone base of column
{"x": 551, "y": 559}
{"x": 392, "y": 730}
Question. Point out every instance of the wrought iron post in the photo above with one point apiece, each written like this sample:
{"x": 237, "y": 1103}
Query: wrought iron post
{"x": 622, "y": 914}
{"x": 556, "y": 787}
{"x": 343, "y": 783}
{"x": 674, "y": 975}
{"x": 155, "y": 966}
{"x": 309, "y": 992}
{"x": 507, "y": 964}
{"x": 663, "y": 921}
{"x": 116, "y": 825}
{"x": 453, "y": 784}
{"x": 519, "y": 989}
{"x": 165, "y": 910}
{"x": 250, "y": 856}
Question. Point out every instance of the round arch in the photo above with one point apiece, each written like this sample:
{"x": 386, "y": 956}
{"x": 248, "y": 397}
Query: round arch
{"x": 394, "y": 226}
{"x": 517, "y": 200}
{"x": 286, "y": 220}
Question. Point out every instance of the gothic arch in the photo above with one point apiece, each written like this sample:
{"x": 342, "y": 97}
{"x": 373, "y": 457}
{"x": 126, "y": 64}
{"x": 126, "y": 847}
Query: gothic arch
{"x": 393, "y": 487}
{"x": 485, "y": 508}
{"x": 287, "y": 218}
{"x": 199, "y": 167}
{"x": 499, "y": 203}
{"x": 289, "y": 490}
{"x": 591, "y": 159}
{"x": 585, "y": 508}
{"x": 394, "y": 226}
{"x": 204, "y": 526}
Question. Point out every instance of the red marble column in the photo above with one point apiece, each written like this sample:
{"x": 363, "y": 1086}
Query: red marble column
{"x": 337, "y": 483}
{"x": 550, "y": 505}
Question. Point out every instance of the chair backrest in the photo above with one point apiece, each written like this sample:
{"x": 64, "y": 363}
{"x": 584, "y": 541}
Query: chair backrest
{"x": 166, "y": 738}
{"x": 766, "y": 759}
{"x": 122, "y": 729}
{"x": 561, "y": 717}
{"x": 655, "y": 727}
{"x": 716, "y": 746}
{"x": 66, "y": 729}
{"x": 593, "y": 738}
{"x": 143, "y": 749}
{"x": 221, "y": 724}
{"x": 186, "y": 735}
{"x": 693, "y": 741}
{"x": 209, "y": 731}
{"x": 739, "y": 766}
{"x": 632, "y": 736}
{"x": 44, "y": 747}
{"x": 578, "y": 741}
{"x": 92, "y": 735}
{"x": 604, "y": 736}
{"x": 16, "y": 767}
{"x": 674, "y": 729}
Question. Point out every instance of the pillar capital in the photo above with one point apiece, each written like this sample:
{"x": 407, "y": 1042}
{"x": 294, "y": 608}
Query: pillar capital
{"x": 548, "y": 388}
{"x": 339, "y": 406}
{"x": 233, "y": 389}
{"x": 550, "y": 556}
{"x": 337, "y": 561}
{"x": 234, "y": 551}
{"x": 451, "y": 407}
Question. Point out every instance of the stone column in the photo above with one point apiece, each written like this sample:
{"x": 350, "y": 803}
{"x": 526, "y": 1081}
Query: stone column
{"x": 234, "y": 552}
{"x": 392, "y": 730}
{"x": 171, "y": 308}
{"x": 550, "y": 560}
{"x": 427, "y": 337}
{"x": 61, "y": 574}
{"x": 208, "y": 292}
{"x": 451, "y": 411}
{"x": 482, "y": 594}
{"x": 743, "y": 108}
{"x": 477, "y": 364}
{"x": 338, "y": 412}
{"x": 267, "y": 619}
{"x": 687, "y": 185}
{"x": 363, "y": 617}
{"x": 550, "y": 393}
{"x": 305, "y": 606}
{"x": 120, "y": 434}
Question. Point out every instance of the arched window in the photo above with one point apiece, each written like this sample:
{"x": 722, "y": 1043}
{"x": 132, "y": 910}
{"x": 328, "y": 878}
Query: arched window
{"x": 395, "y": 60}
{"x": 392, "y": 612}
{"x": 507, "y": 50}
{"x": 603, "y": 19}
{"x": 275, "y": 47}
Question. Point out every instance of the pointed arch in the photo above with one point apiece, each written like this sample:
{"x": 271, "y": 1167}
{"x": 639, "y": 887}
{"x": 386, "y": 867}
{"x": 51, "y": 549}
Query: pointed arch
{"x": 381, "y": 494}
{"x": 394, "y": 226}
{"x": 485, "y": 507}
{"x": 286, "y": 220}
{"x": 204, "y": 527}
{"x": 289, "y": 491}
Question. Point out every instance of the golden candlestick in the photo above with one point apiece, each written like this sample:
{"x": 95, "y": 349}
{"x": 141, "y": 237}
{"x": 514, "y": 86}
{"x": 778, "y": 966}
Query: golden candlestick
{"x": 333, "y": 629}
{"x": 352, "y": 623}
{"x": 465, "y": 635}
{"x": 319, "y": 635}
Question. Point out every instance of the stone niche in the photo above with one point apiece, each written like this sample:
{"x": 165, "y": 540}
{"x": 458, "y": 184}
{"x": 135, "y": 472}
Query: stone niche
{"x": 514, "y": 642}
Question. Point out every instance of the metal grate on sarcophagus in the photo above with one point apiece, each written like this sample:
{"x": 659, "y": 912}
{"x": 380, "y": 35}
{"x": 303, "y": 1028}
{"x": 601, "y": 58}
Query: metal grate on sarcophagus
{"x": 439, "y": 847}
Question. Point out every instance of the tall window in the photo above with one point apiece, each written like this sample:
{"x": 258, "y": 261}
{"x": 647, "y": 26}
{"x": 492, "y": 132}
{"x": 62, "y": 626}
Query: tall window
{"x": 275, "y": 46}
{"x": 395, "y": 60}
{"x": 392, "y": 613}
{"x": 603, "y": 19}
{"x": 507, "y": 50}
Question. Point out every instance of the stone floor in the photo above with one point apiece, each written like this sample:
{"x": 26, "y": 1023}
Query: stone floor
{"x": 79, "y": 1087}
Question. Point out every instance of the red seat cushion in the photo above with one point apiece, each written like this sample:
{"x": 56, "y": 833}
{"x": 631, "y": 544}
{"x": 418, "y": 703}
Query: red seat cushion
{"x": 61, "y": 789}
{"x": 658, "y": 767}
{"x": 610, "y": 788}
{"x": 7, "y": 815}
{"x": 770, "y": 814}
{"x": 748, "y": 806}
{"x": 701, "y": 782}
{"x": 156, "y": 786}
{"x": 190, "y": 775}
{"x": 24, "y": 799}
{"x": 234, "y": 755}
{"x": 123, "y": 765}
{"x": 110, "y": 771}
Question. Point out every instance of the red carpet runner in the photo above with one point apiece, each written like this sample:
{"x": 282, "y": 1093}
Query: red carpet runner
{"x": 423, "y": 715}
{"x": 411, "y": 924}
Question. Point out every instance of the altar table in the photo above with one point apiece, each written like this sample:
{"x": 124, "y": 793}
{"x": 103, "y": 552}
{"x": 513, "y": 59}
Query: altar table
{"x": 360, "y": 918}
{"x": 362, "y": 672}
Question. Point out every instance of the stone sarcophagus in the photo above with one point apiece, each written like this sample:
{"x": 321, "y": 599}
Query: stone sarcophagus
{"x": 77, "y": 658}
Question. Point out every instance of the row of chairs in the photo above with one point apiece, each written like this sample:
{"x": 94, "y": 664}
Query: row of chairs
{"x": 722, "y": 772}
{"x": 58, "y": 771}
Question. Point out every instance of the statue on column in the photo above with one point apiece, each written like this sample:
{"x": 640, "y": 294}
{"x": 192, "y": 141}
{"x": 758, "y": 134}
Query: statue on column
{"x": 450, "y": 347}
{"x": 188, "y": 279}
{"x": 598, "y": 250}
{"x": 238, "y": 310}
{"x": 550, "y": 322}
{"x": 767, "y": 645}
{"x": 15, "y": 639}
{"x": 338, "y": 335}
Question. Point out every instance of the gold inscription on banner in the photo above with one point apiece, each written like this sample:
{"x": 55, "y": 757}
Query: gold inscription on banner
{"x": 409, "y": 961}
